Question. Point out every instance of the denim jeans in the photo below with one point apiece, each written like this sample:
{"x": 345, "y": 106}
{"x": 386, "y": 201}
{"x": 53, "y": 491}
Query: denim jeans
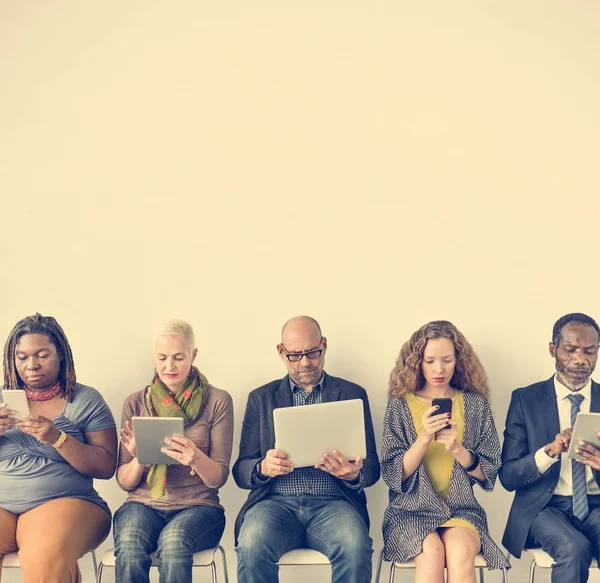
{"x": 328, "y": 524}
{"x": 175, "y": 535}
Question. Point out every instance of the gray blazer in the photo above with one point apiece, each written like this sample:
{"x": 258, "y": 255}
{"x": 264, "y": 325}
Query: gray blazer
{"x": 415, "y": 510}
{"x": 258, "y": 436}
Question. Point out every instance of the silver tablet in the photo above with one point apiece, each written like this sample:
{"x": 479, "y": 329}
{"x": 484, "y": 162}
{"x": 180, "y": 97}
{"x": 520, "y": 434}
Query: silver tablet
{"x": 586, "y": 427}
{"x": 150, "y": 433}
{"x": 306, "y": 432}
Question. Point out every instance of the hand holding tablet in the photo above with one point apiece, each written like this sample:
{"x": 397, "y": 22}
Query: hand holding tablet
{"x": 587, "y": 427}
{"x": 150, "y": 433}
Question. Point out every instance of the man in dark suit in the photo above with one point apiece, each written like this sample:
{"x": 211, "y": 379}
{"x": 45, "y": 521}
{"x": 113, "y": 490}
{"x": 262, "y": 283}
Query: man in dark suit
{"x": 322, "y": 507}
{"x": 557, "y": 500}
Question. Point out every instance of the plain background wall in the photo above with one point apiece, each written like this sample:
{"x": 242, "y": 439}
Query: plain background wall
{"x": 375, "y": 165}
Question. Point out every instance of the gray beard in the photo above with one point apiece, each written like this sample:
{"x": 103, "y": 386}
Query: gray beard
{"x": 573, "y": 388}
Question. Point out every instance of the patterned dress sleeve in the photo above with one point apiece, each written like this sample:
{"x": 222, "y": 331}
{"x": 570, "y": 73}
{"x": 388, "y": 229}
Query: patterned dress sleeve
{"x": 395, "y": 443}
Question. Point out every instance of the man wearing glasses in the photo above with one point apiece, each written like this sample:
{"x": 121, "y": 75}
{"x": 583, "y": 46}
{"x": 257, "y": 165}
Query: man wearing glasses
{"x": 322, "y": 507}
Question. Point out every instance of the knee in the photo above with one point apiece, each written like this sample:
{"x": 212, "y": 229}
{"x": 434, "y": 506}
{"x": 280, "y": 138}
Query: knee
{"x": 253, "y": 535}
{"x": 577, "y": 549}
{"x": 258, "y": 544}
{"x": 175, "y": 542}
{"x": 132, "y": 540}
{"x": 352, "y": 543}
{"x": 45, "y": 567}
{"x": 433, "y": 554}
{"x": 460, "y": 553}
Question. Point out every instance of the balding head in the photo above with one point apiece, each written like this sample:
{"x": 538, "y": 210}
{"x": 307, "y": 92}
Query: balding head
{"x": 302, "y": 335}
{"x": 299, "y": 323}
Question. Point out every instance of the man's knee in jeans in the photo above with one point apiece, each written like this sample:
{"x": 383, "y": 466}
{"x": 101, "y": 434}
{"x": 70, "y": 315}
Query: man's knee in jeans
{"x": 253, "y": 534}
{"x": 351, "y": 543}
{"x": 259, "y": 541}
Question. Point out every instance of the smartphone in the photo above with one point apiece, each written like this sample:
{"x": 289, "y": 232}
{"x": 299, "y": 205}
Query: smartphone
{"x": 16, "y": 401}
{"x": 445, "y": 406}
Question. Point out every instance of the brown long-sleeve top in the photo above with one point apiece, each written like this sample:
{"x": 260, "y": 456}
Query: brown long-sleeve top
{"x": 211, "y": 431}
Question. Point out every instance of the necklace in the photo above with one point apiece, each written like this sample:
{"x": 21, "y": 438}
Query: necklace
{"x": 45, "y": 395}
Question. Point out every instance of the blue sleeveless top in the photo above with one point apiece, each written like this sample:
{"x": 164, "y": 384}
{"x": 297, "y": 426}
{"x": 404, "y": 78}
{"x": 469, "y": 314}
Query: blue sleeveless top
{"x": 32, "y": 473}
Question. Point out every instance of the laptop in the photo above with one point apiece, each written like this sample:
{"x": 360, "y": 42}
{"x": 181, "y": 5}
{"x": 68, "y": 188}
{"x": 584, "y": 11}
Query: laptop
{"x": 150, "y": 433}
{"x": 306, "y": 432}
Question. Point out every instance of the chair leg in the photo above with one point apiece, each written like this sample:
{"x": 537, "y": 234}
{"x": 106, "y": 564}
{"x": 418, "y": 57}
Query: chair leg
{"x": 481, "y": 575}
{"x": 99, "y": 574}
{"x": 213, "y": 570}
{"x": 379, "y": 564}
{"x": 532, "y": 572}
{"x": 95, "y": 563}
{"x": 392, "y": 572}
{"x": 224, "y": 558}
{"x": 504, "y": 575}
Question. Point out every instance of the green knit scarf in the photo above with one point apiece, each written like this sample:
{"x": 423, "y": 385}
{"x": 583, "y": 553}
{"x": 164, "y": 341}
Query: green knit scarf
{"x": 185, "y": 404}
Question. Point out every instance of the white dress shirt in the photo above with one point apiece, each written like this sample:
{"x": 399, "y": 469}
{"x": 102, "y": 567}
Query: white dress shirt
{"x": 543, "y": 461}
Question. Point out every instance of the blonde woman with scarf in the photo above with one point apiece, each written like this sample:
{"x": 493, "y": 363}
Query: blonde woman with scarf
{"x": 173, "y": 510}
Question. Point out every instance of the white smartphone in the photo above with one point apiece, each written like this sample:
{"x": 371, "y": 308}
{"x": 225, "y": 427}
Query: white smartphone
{"x": 17, "y": 402}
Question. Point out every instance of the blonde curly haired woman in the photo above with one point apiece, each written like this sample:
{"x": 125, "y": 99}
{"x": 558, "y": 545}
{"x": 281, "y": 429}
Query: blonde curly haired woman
{"x": 431, "y": 460}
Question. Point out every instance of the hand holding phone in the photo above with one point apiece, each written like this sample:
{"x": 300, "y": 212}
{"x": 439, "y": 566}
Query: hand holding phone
{"x": 16, "y": 401}
{"x": 445, "y": 406}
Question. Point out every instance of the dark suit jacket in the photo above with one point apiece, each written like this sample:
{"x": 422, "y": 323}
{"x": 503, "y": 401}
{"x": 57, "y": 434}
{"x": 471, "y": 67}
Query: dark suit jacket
{"x": 531, "y": 423}
{"x": 258, "y": 436}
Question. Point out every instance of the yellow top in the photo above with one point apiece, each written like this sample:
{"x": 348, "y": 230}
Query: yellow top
{"x": 438, "y": 461}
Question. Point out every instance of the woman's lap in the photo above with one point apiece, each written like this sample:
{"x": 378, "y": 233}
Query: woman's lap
{"x": 139, "y": 525}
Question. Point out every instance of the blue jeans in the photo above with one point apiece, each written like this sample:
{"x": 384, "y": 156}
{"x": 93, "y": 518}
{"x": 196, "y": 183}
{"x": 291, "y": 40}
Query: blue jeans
{"x": 175, "y": 535}
{"x": 328, "y": 524}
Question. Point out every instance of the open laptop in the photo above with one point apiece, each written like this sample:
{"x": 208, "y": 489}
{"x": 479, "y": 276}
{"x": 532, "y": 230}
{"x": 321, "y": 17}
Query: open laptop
{"x": 306, "y": 432}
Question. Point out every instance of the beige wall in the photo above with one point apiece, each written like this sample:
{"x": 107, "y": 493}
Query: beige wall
{"x": 376, "y": 165}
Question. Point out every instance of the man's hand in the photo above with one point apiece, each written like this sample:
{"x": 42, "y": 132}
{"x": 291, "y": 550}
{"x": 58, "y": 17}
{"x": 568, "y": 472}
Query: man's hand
{"x": 590, "y": 453}
{"x": 337, "y": 465}
{"x": 560, "y": 444}
{"x": 276, "y": 463}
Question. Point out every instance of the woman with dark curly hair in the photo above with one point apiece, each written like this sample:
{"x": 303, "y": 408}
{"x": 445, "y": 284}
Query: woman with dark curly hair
{"x": 49, "y": 510}
{"x": 431, "y": 460}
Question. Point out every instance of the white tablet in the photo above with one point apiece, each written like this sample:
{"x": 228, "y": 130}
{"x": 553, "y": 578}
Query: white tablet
{"x": 150, "y": 433}
{"x": 586, "y": 427}
{"x": 306, "y": 432}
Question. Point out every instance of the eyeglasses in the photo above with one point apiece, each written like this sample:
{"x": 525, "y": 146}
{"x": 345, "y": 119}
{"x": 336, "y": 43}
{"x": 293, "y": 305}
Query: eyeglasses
{"x": 298, "y": 356}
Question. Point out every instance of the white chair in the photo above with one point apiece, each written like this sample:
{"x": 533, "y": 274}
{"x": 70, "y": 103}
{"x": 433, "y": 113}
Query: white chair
{"x": 201, "y": 559}
{"x": 480, "y": 565}
{"x": 543, "y": 560}
{"x": 300, "y": 557}
{"x": 11, "y": 561}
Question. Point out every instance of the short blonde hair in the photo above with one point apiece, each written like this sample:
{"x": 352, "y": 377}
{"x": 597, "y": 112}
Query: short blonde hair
{"x": 176, "y": 327}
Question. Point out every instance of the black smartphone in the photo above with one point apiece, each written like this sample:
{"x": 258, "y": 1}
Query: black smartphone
{"x": 445, "y": 406}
